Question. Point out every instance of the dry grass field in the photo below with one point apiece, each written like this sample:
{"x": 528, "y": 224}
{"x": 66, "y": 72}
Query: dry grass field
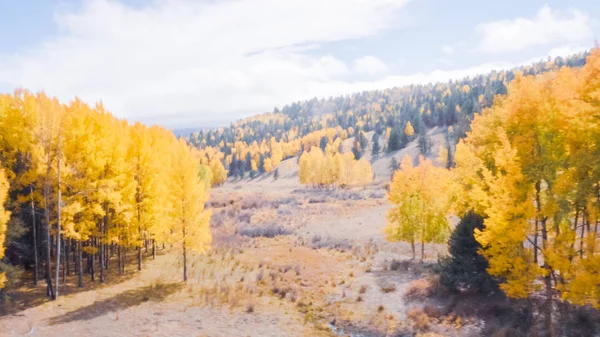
{"x": 286, "y": 261}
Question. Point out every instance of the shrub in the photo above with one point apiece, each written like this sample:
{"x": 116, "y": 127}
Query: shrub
{"x": 284, "y": 212}
{"x": 244, "y": 216}
{"x": 399, "y": 265}
{"x": 378, "y": 194}
{"x": 418, "y": 290}
{"x": 289, "y": 201}
{"x": 269, "y": 231}
{"x": 388, "y": 288}
{"x": 218, "y": 219}
{"x": 317, "y": 200}
{"x": 419, "y": 318}
{"x": 317, "y": 242}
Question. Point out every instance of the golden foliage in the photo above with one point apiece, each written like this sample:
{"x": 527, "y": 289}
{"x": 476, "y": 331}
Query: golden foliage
{"x": 333, "y": 169}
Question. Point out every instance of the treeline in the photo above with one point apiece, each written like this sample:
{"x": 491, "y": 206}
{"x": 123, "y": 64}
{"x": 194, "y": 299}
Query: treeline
{"x": 86, "y": 187}
{"x": 386, "y": 112}
{"x": 530, "y": 168}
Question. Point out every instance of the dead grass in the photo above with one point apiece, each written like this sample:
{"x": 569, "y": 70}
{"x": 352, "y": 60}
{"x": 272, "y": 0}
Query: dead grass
{"x": 419, "y": 290}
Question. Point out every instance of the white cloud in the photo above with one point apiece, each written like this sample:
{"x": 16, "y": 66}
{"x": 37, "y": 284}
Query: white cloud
{"x": 567, "y": 50}
{"x": 446, "y": 49}
{"x": 369, "y": 65}
{"x": 547, "y": 27}
{"x": 185, "y": 62}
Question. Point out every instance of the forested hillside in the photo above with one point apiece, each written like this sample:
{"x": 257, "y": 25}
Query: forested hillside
{"x": 285, "y": 132}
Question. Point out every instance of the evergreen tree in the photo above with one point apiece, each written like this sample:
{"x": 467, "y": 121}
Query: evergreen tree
{"x": 357, "y": 150}
{"x": 394, "y": 165}
{"x": 261, "y": 164}
{"x": 248, "y": 164}
{"x": 465, "y": 269}
{"x": 394, "y": 141}
{"x": 376, "y": 149}
{"x": 323, "y": 143}
{"x": 424, "y": 143}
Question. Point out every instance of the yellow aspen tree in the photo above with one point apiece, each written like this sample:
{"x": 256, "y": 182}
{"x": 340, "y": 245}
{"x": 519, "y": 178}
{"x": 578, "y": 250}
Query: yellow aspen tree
{"x": 409, "y": 130}
{"x": 189, "y": 193}
{"x": 422, "y": 199}
{"x": 219, "y": 174}
{"x": 267, "y": 165}
{"x": 146, "y": 170}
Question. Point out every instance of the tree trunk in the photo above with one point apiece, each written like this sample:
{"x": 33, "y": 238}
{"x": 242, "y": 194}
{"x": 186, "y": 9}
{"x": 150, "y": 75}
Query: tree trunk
{"x": 153, "y": 249}
{"x": 49, "y": 288}
{"x": 101, "y": 251}
{"x": 79, "y": 266}
{"x": 412, "y": 246}
{"x": 58, "y": 233}
{"x": 36, "y": 268}
{"x": 139, "y": 257}
{"x": 582, "y": 234}
{"x": 92, "y": 257}
{"x": 547, "y": 284}
{"x": 119, "y": 261}
{"x": 422, "y": 250}
{"x": 184, "y": 244}
{"x": 65, "y": 262}
{"x": 67, "y": 253}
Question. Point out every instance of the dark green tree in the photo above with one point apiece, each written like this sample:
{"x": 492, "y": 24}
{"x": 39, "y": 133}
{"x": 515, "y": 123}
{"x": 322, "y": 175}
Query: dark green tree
{"x": 394, "y": 165}
{"x": 376, "y": 149}
{"x": 357, "y": 150}
{"x": 424, "y": 143}
{"x": 465, "y": 270}
{"x": 323, "y": 143}
{"x": 394, "y": 142}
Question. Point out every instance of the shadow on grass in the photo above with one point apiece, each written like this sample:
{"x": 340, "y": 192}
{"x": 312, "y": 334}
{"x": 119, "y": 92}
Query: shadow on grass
{"x": 121, "y": 301}
{"x": 26, "y": 296}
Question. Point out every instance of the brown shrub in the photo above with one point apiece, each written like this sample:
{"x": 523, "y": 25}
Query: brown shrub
{"x": 419, "y": 318}
{"x": 418, "y": 290}
{"x": 388, "y": 288}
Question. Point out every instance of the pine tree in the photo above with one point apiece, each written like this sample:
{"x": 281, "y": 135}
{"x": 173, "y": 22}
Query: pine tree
{"x": 323, "y": 143}
{"x": 394, "y": 165}
{"x": 394, "y": 141}
{"x": 424, "y": 143}
{"x": 357, "y": 150}
{"x": 376, "y": 149}
{"x": 465, "y": 269}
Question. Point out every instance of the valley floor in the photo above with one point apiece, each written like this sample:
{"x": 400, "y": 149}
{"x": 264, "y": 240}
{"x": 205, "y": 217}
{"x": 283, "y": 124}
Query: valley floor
{"x": 331, "y": 272}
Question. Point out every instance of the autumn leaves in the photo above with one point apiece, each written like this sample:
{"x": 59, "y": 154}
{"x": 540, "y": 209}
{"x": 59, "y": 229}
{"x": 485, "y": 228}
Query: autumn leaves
{"x": 104, "y": 185}
{"x": 422, "y": 197}
{"x": 530, "y": 167}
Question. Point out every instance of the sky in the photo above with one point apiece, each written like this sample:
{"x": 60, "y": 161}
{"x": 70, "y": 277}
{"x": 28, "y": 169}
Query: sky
{"x": 207, "y": 63}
